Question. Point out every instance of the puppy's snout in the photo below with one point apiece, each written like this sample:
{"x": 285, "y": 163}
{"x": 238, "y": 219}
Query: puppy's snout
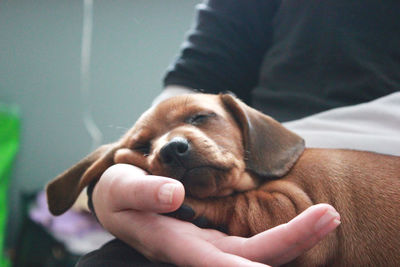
{"x": 175, "y": 151}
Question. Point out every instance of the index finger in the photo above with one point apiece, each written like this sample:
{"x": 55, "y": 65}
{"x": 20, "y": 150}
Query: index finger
{"x": 285, "y": 242}
{"x": 290, "y": 240}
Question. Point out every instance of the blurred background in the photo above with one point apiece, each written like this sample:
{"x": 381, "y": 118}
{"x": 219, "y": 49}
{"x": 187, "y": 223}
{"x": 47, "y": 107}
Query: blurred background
{"x": 133, "y": 42}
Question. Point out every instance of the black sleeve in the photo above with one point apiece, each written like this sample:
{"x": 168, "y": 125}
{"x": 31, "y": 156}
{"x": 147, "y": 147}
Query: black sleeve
{"x": 89, "y": 192}
{"x": 225, "y": 48}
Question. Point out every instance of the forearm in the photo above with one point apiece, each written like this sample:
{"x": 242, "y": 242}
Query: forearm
{"x": 225, "y": 48}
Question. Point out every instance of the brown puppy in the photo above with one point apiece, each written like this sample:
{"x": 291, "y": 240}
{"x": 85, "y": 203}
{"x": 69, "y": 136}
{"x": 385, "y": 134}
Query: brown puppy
{"x": 244, "y": 171}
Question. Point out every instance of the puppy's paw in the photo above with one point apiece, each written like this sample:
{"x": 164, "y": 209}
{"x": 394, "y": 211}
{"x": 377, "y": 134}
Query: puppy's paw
{"x": 202, "y": 213}
{"x": 186, "y": 213}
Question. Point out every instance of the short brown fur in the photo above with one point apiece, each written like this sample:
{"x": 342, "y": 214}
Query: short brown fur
{"x": 247, "y": 173}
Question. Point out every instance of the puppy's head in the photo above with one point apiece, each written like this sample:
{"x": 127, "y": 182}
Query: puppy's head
{"x": 214, "y": 144}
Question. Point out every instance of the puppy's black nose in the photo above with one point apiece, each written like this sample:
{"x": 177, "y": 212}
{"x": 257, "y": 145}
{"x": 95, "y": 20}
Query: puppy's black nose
{"x": 175, "y": 151}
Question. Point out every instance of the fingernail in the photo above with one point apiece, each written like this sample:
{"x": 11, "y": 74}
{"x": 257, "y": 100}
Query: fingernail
{"x": 166, "y": 193}
{"x": 326, "y": 219}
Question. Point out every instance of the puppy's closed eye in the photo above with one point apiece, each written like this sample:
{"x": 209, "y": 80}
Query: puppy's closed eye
{"x": 200, "y": 118}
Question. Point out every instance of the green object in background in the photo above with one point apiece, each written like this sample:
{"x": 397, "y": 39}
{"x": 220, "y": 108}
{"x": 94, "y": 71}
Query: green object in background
{"x": 9, "y": 142}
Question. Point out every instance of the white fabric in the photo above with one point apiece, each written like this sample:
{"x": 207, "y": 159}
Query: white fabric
{"x": 372, "y": 126}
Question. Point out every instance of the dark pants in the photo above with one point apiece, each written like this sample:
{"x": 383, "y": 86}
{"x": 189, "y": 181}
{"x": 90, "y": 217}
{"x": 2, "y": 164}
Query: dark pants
{"x": 116, "y": 254}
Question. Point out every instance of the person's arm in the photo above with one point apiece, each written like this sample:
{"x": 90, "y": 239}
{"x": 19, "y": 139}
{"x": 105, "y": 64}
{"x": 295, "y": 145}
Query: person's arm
{"x": 225, "y": 48}
{"x": 127, "y": 202}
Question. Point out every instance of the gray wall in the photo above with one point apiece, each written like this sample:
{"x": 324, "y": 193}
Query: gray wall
{"x": 40, "y": 42}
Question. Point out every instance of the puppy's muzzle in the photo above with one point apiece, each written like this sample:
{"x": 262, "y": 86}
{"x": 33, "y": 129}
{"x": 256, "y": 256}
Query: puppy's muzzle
{"x": 176, "y": 152}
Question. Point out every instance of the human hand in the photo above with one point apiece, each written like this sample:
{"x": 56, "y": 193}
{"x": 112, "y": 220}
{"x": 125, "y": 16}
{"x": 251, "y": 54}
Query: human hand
{"x": 127, "y": 202}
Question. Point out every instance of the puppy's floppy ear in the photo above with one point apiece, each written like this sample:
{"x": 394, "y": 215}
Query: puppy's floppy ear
{"x": 270, "y": 149}
{"x": 65, "y": 188}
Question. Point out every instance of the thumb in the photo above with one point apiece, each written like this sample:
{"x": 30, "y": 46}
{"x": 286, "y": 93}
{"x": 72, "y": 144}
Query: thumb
{"x": 125, "y": 187}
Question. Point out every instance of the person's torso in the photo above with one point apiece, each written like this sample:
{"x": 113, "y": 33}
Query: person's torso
{"x": 326, "y": 54}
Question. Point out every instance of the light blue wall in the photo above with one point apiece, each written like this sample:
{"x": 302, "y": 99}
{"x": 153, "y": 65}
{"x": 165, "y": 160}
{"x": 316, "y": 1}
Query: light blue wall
{"x": 40, "y": 42}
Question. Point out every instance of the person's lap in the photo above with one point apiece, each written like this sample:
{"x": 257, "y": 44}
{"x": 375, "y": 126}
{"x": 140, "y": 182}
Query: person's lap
{"x": 117, "y": 254}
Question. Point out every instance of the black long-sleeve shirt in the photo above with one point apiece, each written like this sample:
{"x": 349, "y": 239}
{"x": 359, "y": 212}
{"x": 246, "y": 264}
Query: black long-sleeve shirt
{"x": 291, "y": 59}
{"x": 288, "y": 58}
